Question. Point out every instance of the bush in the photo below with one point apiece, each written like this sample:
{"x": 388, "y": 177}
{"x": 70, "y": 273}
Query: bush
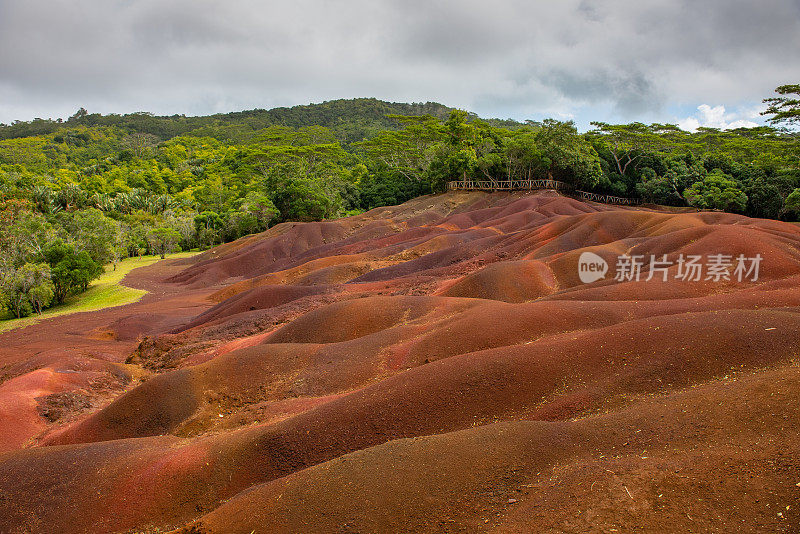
{"x": 71, "y": 271}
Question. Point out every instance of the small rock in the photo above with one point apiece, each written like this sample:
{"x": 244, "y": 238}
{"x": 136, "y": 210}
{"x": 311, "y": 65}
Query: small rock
{"x": 512, "y": 501}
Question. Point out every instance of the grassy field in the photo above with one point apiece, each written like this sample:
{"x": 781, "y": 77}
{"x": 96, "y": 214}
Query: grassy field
{"x": 104, "y": 292}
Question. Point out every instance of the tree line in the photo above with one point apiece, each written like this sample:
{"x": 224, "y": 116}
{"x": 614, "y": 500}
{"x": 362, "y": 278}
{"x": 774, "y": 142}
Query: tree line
{"x": 94, "y": 189}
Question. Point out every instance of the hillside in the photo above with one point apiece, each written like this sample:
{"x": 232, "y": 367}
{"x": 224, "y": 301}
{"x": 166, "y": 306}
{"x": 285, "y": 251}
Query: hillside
{"x": 351, "y": 119}
{"x": 437, "y": 366}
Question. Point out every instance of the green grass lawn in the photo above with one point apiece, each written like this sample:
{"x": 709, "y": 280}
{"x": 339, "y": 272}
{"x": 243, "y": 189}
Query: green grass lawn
{"x": 104, "y": 292}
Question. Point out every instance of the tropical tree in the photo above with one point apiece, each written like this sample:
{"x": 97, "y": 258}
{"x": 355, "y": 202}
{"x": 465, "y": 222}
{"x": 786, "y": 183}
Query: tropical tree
{"x": 627, "y": 143}
{"x": 521, "y": 153}
{"x": 45, "y": 199}
{"x": 71, "y": 270}
{"x": 567, "y": 156}
{"x": 260, "y": 206}
{"x": 717, "y": 191}
{"x": 24, "y": 236}
{"x": 764, "y": 200}
{"x": 409, "y": 151}
{"x": 163, "y": 240}
{"x": 784, "y": 109}
{"x": 791, "y": 208}
{"x": 182, "y": 222}
{"x": 27, "y": 289}
{"x": 303, "y": 199}
{"x": 95, "y": 233}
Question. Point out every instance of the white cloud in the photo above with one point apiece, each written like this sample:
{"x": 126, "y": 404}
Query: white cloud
{"x": 718, "y": 117}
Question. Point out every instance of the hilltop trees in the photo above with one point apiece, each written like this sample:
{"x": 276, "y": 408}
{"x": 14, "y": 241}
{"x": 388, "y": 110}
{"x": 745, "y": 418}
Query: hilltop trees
{"x": 408, "y": 151}
{"x": 464, "y": 147}
{"x": 212, "y": 164}
{"x": 349, "y": 120}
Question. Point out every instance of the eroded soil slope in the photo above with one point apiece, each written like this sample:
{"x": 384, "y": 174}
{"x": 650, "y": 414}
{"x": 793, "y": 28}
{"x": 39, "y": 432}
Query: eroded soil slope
{"x": 437, "y": 367}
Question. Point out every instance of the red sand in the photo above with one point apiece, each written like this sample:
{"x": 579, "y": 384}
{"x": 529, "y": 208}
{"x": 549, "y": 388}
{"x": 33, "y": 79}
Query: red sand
{"x": 436, "y": 366}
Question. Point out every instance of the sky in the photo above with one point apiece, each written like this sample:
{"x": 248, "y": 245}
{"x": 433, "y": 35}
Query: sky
{"x": 687, "y": 62}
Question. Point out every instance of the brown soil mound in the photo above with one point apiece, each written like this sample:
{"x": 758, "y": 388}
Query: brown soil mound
{"x": 708, "y": 470}
{"x": 432, "y": 367}
{"x": 509, "y": 281}
{"x": 258, "y": 298}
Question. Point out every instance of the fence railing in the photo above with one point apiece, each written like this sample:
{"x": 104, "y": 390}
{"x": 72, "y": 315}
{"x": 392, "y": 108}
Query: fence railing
{"x": 606, "y": 199}
{"x": 507, "y": 185}
{"x": 529, "y": 185}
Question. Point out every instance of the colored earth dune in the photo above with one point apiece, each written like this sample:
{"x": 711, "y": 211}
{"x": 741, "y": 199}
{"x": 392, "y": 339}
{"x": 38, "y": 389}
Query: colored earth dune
{"x": 431, "y": 367}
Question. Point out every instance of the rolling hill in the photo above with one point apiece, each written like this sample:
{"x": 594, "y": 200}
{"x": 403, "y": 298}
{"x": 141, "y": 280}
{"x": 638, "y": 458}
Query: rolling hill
{"x": 436, "y": 366}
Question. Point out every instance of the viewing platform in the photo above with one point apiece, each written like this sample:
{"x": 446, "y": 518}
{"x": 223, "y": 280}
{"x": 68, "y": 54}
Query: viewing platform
{"x": 531, "y": 185}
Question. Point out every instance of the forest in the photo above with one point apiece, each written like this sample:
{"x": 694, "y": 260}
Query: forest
{"x": 82, "y": 193}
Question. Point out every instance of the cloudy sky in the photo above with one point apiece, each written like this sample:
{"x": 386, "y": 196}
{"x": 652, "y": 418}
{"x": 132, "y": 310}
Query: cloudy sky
{"x": 691, "y": 62}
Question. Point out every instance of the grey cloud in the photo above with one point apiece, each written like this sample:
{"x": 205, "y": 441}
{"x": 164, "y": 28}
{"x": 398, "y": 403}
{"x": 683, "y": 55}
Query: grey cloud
{"x": 630, "y": 92}
{"x": 609, "y": 60}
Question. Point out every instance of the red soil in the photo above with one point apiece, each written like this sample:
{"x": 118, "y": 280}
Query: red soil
{"x": 436, "y": 366}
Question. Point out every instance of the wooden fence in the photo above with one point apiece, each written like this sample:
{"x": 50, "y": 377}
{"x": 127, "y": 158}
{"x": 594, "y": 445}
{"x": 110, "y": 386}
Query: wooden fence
{"x": 530, "y": 185}
{"x": 506, "y": 185}
{"x": 606, "y": 199}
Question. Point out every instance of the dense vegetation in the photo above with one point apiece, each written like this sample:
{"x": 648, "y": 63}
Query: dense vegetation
{"x": 81, "y": 193}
